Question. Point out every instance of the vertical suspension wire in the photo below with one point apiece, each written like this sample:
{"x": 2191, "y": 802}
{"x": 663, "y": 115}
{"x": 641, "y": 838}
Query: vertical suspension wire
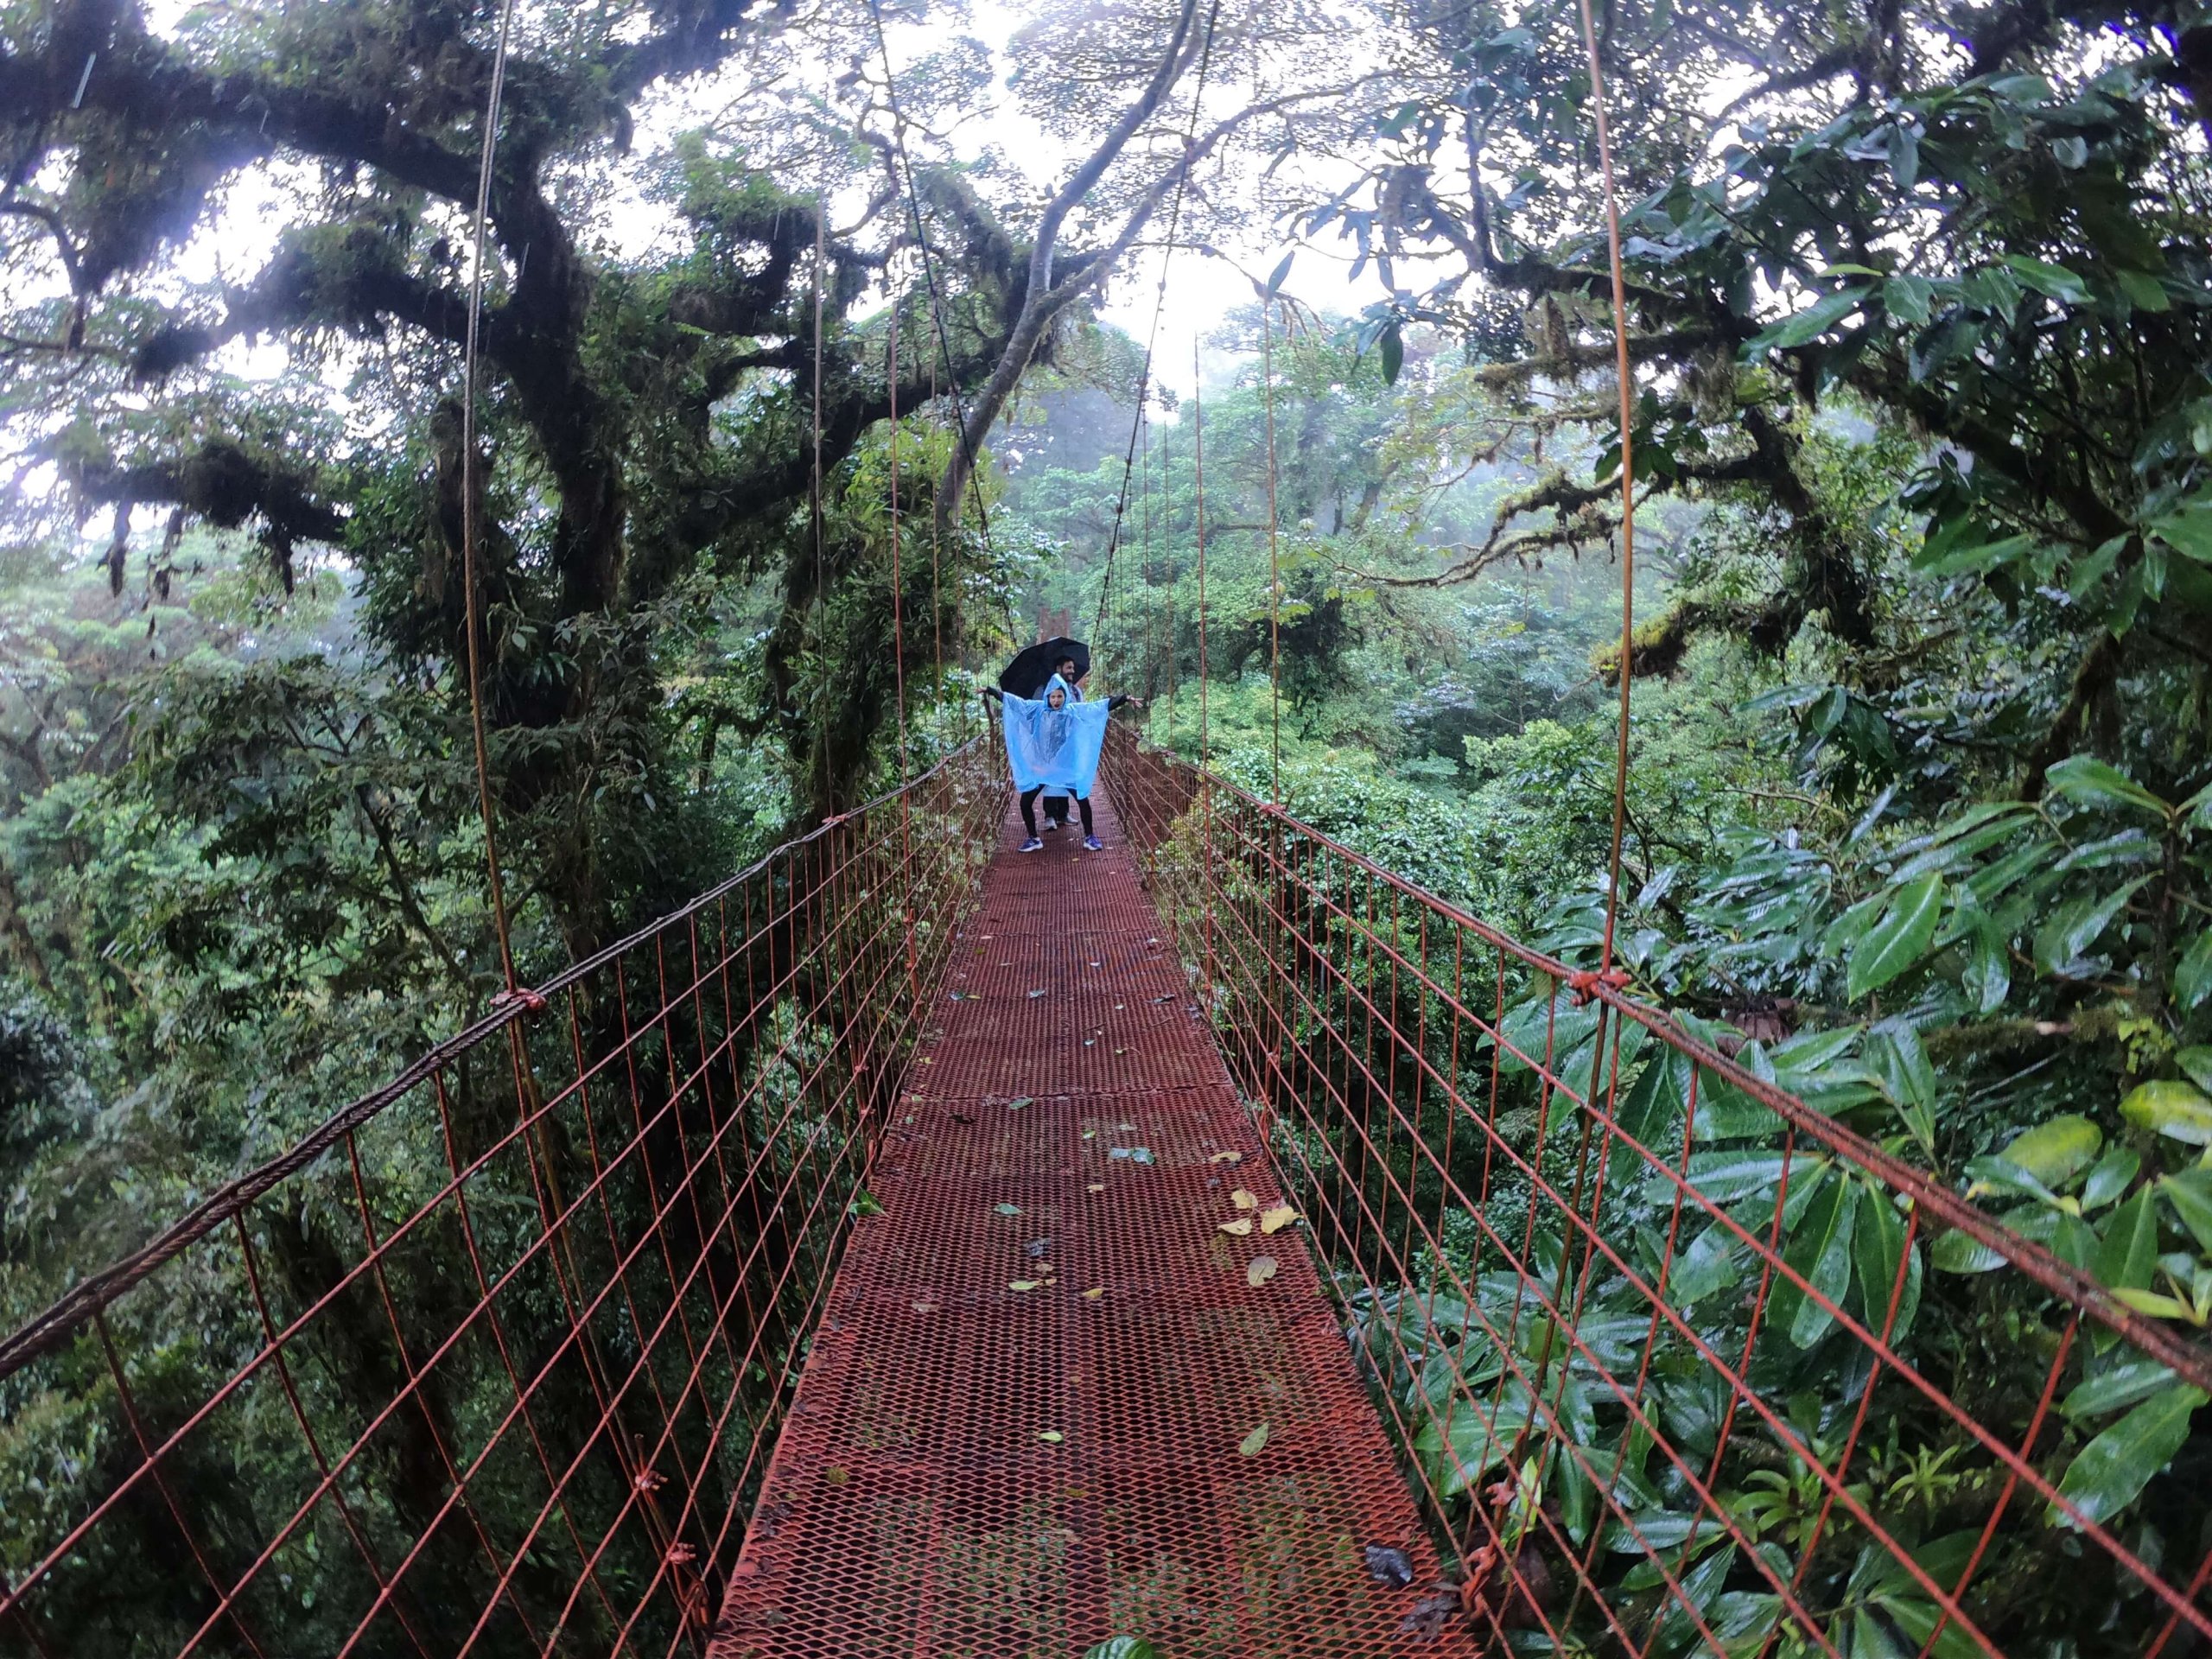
{"x": 1628, "y": 473}
{"x": 1205, "y": 750}
{"x": 898, "y": 650}
{"x": 814, "y": 515}
{"x": 471, "y": 531}
{"x": 1275, "y": 559}
{"x": 903, "y": 164}
{"x": 1159, "y": 305}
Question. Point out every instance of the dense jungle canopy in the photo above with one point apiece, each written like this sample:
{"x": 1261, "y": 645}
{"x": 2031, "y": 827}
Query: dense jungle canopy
{"x": 1919, "y": 303}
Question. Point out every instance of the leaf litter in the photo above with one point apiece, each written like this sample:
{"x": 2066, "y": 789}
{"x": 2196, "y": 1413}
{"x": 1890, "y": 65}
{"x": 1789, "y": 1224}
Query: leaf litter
{"x": 1274, "y": 1218}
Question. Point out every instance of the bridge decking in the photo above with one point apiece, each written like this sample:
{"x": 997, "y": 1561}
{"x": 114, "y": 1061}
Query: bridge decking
{"x": 914, "y": 1505}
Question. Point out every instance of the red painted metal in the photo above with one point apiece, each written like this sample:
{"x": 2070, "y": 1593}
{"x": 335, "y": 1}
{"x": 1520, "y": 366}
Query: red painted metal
{"x": 1509, "y": 1274}
{"x": 916, "y": 1504}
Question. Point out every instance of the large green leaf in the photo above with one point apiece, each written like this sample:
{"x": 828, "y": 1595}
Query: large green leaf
{"x": 1820, "y": 1250}
{"x": 2062, "y": 941}
{"x": 1900, "y": 939}
{"x": 2129, "y": 1250}
{"x": 2056, "y": 1149}
{"x": 2111, "y": 1470}
{"x": 1808, "y": 325}
{"x": 2180, "y": 1111}
{"x": 2112, "y": 1390}
{"x": 1878, "y": 1244}
{"x": 2090, "y": 781}
{"x": 2189, "y": 1193}
{"x": 1473, "y": 1439}
{"x": 1122, "y": 1647}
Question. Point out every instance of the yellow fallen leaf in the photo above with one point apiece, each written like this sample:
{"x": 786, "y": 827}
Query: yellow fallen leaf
{"x": 1051, "y": 1436}
{"x": 1244, "y": 1200}
{"x": 1226, "y": 1157}
{"x": 1094, "y": 1293}
{"x": 1275, "y": 1219}
{"x": 1250, "y": 1444}
{"x": 1022, "y": 1284}
{"x": 1239, "y": 1228}
{"x": 1261, "y": 1270}
{"x": 1096, "y": 1186}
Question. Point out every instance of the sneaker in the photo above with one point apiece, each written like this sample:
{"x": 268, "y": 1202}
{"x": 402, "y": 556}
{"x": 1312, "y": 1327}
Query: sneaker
{"x": 1051, "y": 823}
{"x": 1031, "y": 845}
{"x": 1091, "y": 844}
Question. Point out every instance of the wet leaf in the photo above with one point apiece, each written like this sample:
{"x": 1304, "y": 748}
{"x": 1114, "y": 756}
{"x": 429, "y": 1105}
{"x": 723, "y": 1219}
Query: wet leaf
{"x": 1244, "y": 1200}
{"x": 1388, "y": 1566}
{"x": 1262, "y": 1269}
{"x": 2111, "y": 1470}
{"x": 2177, "y": 1110}
{"x": 1430, "y": 1615}
{"x": 1250, "y": 1446}
{"x": 1276, "y": 1217}
{"x": 1239, "y": 1228}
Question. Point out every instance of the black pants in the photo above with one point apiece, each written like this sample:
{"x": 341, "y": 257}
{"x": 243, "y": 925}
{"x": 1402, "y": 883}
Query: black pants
{"x": 1029, "y": 810}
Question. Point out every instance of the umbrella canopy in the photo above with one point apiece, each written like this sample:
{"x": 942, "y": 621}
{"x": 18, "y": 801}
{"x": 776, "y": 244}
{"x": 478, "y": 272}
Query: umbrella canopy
{"x": 1025, "y": 675}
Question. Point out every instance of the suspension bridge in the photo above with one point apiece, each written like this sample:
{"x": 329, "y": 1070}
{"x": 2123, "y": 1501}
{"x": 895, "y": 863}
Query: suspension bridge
{"x": 910, "y": 1247}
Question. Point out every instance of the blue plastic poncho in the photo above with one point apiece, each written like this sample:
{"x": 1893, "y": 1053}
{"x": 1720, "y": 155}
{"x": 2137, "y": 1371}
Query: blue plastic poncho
{"x": 1054, "y": 748}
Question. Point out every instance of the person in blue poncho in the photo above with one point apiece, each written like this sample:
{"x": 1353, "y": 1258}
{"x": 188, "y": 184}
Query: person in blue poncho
{"x": 1052, "y": 742}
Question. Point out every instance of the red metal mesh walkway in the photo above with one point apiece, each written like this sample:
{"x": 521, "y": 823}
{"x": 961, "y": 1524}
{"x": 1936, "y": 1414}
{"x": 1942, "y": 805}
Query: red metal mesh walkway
{"x": 974, "y": 1469}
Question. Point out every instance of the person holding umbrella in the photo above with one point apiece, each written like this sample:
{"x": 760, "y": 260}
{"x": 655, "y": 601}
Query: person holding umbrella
{"x": 1053, "y": 741}
{"x": 1024, "y": 677}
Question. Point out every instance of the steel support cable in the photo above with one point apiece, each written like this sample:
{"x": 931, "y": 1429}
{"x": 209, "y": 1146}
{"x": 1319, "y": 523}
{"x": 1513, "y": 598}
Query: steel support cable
{"x": 470, "y": 528}
{"x": 1275, "y": 562}
{"x": 814, "y": 515}
{"x": 905, "y": 165}
{"x": 898, "y": 639}
{"x": 1159, "y": 304}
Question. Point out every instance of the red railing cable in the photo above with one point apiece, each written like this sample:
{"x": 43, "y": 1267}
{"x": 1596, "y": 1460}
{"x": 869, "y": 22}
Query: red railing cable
{"x": 1459, "y": 1186}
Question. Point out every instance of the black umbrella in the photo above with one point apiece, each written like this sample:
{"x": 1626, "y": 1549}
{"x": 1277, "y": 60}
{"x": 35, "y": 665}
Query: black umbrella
{"x": 1027, "y": 675}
